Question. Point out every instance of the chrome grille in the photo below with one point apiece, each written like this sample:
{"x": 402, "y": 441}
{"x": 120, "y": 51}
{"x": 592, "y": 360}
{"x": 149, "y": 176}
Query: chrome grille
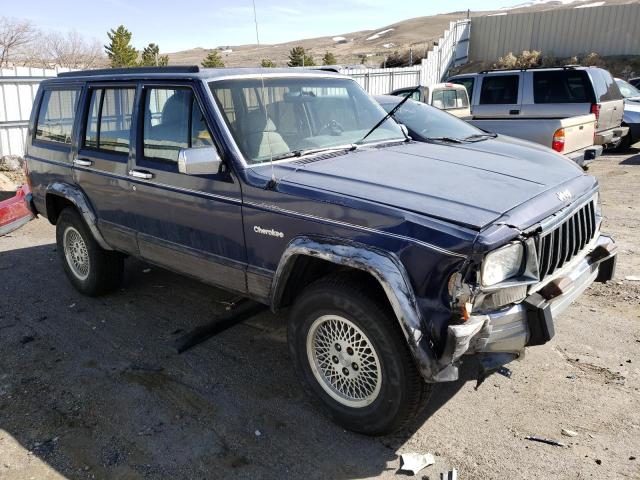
{"x": 566, "y": 240}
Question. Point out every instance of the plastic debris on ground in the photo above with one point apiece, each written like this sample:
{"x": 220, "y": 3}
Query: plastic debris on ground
{"x": 450, "y": 475}
{"x": 548, "y": 441}
{"x": 569, "y": 433}
{"x": 414, "y": 462}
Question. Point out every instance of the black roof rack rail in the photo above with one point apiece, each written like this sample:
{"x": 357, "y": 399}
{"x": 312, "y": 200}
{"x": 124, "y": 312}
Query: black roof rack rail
{"x": 130, "y": 70}
{"x": 564, "y": 67}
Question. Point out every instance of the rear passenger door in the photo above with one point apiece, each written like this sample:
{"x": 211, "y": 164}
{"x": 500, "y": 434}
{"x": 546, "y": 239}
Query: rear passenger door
{"x": 50, "y": 145}
{"x": 188, "y": 223}
{"x": 100, "y": 163}
{"x": 500, "y": 96}
{"x": 556, "y": 93}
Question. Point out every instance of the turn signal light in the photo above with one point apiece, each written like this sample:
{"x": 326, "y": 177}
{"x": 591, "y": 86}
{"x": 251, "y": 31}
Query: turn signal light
{"x": 558, "y": 140}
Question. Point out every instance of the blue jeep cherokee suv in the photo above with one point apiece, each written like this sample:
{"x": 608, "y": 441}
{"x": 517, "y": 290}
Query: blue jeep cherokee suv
{"x": 396, "y": 258}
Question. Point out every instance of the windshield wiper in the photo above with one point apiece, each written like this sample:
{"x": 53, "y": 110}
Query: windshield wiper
{"x": 480, "y": 136}
{"x": 445, "y": 139}
{"x": 310, "y": 151}
{"x": 389, "y": 115}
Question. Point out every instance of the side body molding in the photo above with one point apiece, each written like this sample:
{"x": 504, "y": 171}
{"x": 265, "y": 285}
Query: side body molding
{"x": 389, "y": 272}
{"x": 78, "y": 198}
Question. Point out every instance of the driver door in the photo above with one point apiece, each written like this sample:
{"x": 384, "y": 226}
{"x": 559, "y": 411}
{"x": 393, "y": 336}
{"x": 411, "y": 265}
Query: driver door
{"x": 189, "y": 223}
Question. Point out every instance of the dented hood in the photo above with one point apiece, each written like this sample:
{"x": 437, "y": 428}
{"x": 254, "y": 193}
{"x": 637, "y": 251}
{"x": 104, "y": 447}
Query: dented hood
{"x": 470, "y": 184}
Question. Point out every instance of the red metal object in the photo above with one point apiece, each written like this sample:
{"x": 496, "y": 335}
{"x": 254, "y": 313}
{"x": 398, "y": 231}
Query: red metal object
{"x": 15, "y": 211}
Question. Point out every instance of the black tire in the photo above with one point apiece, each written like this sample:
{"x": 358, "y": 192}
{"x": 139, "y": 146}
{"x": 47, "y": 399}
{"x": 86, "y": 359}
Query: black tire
{"x": 402, "y": 394}
{"x": 105, "y": 268}
{"x": 625, "y": 143}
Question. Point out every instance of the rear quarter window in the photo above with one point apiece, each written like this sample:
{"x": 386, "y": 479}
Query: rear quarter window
{"x": 466, "y": 83}
{"x": 56, "y": 115}
{"x": 566, "y": 86}
{"x": 605, "y": 86}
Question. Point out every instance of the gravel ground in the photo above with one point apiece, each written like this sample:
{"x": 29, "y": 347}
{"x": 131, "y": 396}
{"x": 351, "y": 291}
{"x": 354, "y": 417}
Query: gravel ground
{"x": 90, "y": 388}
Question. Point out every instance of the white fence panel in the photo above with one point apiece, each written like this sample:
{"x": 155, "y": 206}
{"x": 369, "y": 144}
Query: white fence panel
{"x": 452, "y": 50}
{"x": 18, "y": 87}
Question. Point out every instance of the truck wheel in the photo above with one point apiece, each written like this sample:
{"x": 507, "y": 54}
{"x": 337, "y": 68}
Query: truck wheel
{"x": 91, "y": 269}
{"x": 349, "y": 352}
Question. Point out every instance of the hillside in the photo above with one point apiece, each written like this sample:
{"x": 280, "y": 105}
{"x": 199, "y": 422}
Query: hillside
{"x": 374, "y": 45}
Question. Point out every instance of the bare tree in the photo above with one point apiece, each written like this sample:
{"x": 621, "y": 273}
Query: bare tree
{"x": 15, "y": 36}
{"x": 73, "y": 50}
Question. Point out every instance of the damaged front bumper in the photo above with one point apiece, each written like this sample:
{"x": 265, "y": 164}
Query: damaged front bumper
{"x": 499, "y": 336}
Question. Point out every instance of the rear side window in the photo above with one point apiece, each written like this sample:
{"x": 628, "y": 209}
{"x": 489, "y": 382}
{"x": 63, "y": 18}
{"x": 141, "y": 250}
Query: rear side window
{"x": 109, "y": 119}
{"x": 499, "y": 89}
{"x": 605, "y": 86}
{"x": 56, "y": 115}
{"x": 566, "y": 86}
{"x": 173, "y": 120}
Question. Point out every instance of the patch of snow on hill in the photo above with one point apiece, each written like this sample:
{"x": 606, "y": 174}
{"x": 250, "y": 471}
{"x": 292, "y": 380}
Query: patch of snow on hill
{"x": 589, "y": 5}
{"x": 375, "y": 36}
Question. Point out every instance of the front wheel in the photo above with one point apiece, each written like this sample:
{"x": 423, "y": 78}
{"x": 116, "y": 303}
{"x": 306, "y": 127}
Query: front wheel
{"x": 91, "y": 269}
{"x": 349, "y": 352}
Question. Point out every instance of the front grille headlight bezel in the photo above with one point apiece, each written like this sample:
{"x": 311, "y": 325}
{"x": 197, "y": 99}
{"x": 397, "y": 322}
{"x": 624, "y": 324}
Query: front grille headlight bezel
{"x": 502, "y": 264}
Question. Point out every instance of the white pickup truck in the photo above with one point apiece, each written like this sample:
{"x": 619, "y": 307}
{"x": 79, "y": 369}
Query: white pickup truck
{"x": 573, "y": 136}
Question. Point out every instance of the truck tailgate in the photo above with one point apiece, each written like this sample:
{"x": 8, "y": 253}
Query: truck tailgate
{"x": 578, "y": 132}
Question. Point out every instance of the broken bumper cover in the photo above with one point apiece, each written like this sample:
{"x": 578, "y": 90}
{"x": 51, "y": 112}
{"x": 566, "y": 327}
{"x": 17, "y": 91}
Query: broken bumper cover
{"x": 502, "y": 335}
{"x": 16, "y": 211}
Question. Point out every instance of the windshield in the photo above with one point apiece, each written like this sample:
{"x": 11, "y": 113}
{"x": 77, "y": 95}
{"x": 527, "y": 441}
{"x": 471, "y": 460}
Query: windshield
{"x": 297, "y": 114}
{"x": 627, "y": 90}
{"x": 428, "y": 122}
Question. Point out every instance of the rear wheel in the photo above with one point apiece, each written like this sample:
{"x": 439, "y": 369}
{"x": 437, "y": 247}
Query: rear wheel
{"x": 349, "y": 352}
{"x": 91, "y": 269}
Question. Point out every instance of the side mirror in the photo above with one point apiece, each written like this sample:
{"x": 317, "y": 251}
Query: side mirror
{"x": 199, "y": 161}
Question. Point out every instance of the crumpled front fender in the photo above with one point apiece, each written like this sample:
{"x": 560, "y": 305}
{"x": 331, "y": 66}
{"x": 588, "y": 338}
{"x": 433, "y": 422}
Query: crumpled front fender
{"x": 389, "y": 271}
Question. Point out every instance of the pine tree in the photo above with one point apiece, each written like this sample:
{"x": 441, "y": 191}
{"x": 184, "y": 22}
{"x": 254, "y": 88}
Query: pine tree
{"x": 213, "y": 60}
{"x": 299, "y": 58}
{"x": 119, "y": 51}
{"x": 267, "y": 63}
{"x": 329, "y": 59}
{"x": 151, "y": 57}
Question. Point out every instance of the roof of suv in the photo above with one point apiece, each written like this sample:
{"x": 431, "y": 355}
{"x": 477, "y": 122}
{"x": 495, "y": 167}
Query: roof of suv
{"x": 185, "y": 72}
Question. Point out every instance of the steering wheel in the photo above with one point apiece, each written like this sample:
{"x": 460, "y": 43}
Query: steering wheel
{"x": 332, "y": 128}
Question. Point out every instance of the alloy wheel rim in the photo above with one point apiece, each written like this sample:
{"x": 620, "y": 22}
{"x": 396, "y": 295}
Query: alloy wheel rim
{"x": 344, "y": 361}
{"x": 76, "y": 253}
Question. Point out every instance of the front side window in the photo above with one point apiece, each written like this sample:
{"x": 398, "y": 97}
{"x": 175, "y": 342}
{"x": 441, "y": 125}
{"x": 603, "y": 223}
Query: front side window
{"x": 293, "y": 114}
{"x": 56, "y": 116}
{"x": 109, "y": 119}
{"x": 466, "y": 83}
{"x": 173, "y": 120}
{"x": 499, "y": 90}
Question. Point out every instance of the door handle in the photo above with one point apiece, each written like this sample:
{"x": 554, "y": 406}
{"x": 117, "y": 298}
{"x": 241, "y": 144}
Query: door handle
{"x": 140, "y": 174}
{"x": 82, "y": 162}
{"x": 514, "y": 112}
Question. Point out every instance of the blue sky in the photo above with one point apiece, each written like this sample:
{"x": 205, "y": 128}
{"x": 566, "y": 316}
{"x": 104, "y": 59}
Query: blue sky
{"x": 182, "y": 24}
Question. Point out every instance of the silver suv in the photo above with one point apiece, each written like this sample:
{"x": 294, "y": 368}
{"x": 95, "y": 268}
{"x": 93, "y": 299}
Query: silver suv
{"x": 549, "y": 93}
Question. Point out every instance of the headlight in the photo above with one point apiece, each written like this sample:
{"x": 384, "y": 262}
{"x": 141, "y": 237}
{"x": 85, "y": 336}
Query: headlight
{"x": 502, "y": 264}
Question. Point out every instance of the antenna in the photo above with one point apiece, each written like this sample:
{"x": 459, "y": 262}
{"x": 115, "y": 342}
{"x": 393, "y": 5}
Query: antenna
{"x": 272, "y": 182}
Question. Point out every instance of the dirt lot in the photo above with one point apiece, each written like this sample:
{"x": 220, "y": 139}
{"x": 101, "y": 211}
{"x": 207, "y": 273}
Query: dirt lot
{"x": 89, "y": 388}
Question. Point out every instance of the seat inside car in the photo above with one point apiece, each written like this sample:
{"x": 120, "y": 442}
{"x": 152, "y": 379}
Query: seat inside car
{"x": 261, "y": 138}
